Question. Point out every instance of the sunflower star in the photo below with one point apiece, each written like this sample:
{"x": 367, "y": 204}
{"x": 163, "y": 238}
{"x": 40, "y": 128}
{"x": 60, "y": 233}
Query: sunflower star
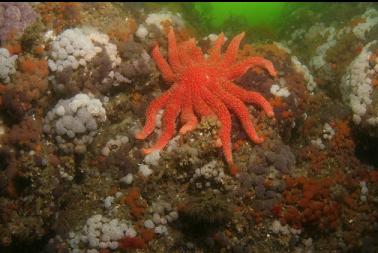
{"x": 202, "y": 86}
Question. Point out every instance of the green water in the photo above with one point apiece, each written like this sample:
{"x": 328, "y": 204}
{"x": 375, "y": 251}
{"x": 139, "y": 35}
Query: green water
{"x": 257, "y": 13}
{"x": 260, "y": 20}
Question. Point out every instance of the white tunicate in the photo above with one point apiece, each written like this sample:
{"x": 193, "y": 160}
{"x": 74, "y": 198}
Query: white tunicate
{"x": 149, "y": 224}
{"x": 108, "y": 201}
{"x": 130, "y": 232}
{"x": 174, "y": 215}
{"x": 161, "y": 229}
{"x": 156, "y": 218}
{"x": 128, "y": 179}
{"x": 279, "y": 91}
{"x": 145, "y": 170}
{"x": 141, "y": 32}
{"x": 152, "y": 158}
{"x": 277, "y": 228}
{"x": 114, "y": 144}
{"x": 318, "y": 143}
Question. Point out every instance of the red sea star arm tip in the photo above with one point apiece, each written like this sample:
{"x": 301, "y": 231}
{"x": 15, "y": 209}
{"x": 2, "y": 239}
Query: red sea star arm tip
{"x": 173, "y": 56}
{"x": 146, "y": 151}
{"x": 171, "y": 112}
{"x": 151, "y": 112}
{"x": 162, "y": 64}
{"x": 233, "y": 169}
{"x": 187, "y": 114}
{"x": 242, "y": 67}
{"x": 215, "y": 51}
{"x": 232, "y": 50}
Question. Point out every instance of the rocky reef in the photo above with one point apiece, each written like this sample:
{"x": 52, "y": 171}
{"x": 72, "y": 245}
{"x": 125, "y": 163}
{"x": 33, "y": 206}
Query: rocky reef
{"x": 76, "y": 80}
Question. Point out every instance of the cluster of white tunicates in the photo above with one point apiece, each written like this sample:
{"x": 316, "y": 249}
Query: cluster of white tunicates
{"x": 7, "y": 65}
{"x": 331, "y": 35}
{"x": 328, "y": 132}
{"x": 74, "y": 122}
{"x": 318, "y": 60}
{"x": 150, "y": 159}
{"x": 100, "y": 232}
{"x": 278, "y": 228}
{"x": 76, "y": 47}
{"x": 157, "y": 19}
{"x": 114, "y": 144}
{"x": 370, "y": 18}
{"x": 318, "y": 142}
{"x": 279, "y": 91}
{"x": 301, "y": 68}
{"x": 356, "y": 86}
{"x": 208, "y": 175}
{"x": 161, "y": 213}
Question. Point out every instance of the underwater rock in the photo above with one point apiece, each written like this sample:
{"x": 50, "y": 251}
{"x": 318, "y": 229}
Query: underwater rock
{"x": 289, "y": 92}
{"x": 27, "y": 200}
{"x": 331, "y": 47}
{"x": 86, "y": 186}
{"x": 205, "y": 212}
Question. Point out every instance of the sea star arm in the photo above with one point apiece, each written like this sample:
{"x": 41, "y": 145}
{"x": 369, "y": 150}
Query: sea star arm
{"x": 242, "y": 112}
{"x": 173, "y": 56}
{"x": 249, "y": 97}
{"x": 187, "y": 115}
{"x": 199, "y": 105}
{"x": 187, "y": 52}
{"x": 169, "y": 123}
{"x": 215, "y": 51}
{"x": 162, "y": 64}
{"x": 232, "y": 50}
{"x": 224, "y": 117}
{"x": 197, "y": 52}
{"x": 242, "y": 67}
{"x": 151, "y": 112}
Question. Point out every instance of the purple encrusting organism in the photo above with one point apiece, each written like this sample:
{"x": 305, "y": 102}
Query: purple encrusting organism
{"x": 14, "y": 18}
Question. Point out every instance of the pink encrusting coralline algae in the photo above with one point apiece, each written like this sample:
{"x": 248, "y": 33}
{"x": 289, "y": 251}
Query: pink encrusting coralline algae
{"x": 14, "y": 19}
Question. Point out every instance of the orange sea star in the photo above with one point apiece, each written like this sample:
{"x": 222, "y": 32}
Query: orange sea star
{"x": 202, "y": 86}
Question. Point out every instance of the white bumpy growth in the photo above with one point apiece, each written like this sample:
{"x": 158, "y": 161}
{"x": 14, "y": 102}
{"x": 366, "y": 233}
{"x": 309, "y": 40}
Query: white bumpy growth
{"x": 7, "y": 65}
{"x": 74, "y": 122}
{"x": 76, "y": 47}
